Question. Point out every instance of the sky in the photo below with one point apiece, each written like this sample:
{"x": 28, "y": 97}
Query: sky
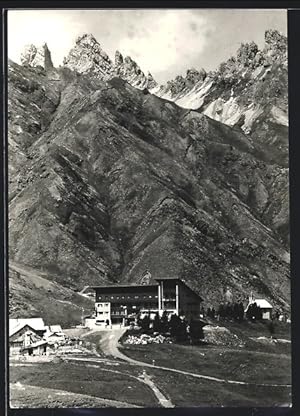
{"x": 165, "y": 42}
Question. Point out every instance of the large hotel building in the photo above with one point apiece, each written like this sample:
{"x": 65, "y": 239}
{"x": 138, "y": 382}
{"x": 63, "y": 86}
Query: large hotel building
{"x": 115, "y": 303}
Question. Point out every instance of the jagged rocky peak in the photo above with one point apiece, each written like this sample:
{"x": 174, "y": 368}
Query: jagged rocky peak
{"x": 118, "y": 58}
{"x": 275, "y": 46}
{"x": 86, "y": 39}
{"x": 180, "y": 84}
{"x": 126, "y": 68}
{"x": 89, "y": 42}
{"x": 28, "y": 55}
{"x": 131, "y": 66}
{"x": 47, "y": 57}
{"x": 151, "y": 83}
{"x": 37, "y": 56}
{"x": 275, "y": 39}
{"x": 193, "y": 76}
{"x": 87, "y": 56}
{"x": 246, "y": 55}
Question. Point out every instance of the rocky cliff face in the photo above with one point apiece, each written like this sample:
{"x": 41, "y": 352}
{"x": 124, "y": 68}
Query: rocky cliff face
{"x": 108, "y": 181}
{"x": 249, "y": 91}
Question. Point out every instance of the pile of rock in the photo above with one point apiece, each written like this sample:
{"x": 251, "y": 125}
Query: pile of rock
{"x": 219, "y": 335}
{"x": 147, "y": 339}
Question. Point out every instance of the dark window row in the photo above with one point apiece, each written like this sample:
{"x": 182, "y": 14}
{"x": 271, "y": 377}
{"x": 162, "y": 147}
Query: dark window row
{"x": 117, "y": 297}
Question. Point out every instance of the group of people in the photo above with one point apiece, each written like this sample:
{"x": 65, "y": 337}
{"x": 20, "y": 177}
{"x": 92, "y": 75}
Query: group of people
{"x": 177, "y": 326}
{"x": 225, "y": 311}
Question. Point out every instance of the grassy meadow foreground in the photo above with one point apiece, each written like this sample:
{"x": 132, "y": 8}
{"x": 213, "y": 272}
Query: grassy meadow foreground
{"x": 98, "y": 378}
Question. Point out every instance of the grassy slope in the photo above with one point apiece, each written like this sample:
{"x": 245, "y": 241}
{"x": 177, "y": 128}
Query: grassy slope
{"x": 187, "y": 391}
{"x": 33, "y": 293}
{"x": 35, "y": 397}
{"x": 257, "y": 362}
{"x": 241, "y": 365}
{"x": 85, "y": 379}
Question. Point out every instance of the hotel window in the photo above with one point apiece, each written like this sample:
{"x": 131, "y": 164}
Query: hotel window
{"x": 111, "y": 297}
{"x": 123, "y": 297}
{"x": 150, "y": 296}
{"x": 136, "y": 296}
{"x": 118, "y": 297}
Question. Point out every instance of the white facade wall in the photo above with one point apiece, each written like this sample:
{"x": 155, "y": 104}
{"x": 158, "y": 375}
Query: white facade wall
{"x": 266, "y": 313}
{"x": 103, "y": 312}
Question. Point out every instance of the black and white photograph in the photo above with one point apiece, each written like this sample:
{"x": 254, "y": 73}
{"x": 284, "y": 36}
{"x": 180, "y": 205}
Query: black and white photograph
{"x": 148, "y": 208}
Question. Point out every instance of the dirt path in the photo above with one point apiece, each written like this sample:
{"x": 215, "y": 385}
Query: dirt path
{"x": 91, "y": 331}
{"x": 143, "y": 378}
{"x": 109, "y": 344}
{"x": 160, "y": 397}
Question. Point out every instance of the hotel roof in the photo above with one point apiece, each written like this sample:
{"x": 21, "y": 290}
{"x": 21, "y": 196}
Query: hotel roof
{"x": 152, "y": 285}
{"x": 137, "y": 284}
{"x": 122, "y": 286}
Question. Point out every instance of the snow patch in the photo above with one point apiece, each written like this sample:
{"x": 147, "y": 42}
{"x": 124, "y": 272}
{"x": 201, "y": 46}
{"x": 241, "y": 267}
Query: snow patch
{"x": 250, "y": 116}
{"x": 227, "y": 112}
{"x": 155, "y": 90}
{"x": 195, "y": 98}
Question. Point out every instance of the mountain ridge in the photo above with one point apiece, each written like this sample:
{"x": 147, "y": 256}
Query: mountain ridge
{"x": 248, "y": 91}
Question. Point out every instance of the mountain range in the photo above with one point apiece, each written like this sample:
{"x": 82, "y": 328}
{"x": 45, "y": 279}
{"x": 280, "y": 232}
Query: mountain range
{"x": 111, "y": 175}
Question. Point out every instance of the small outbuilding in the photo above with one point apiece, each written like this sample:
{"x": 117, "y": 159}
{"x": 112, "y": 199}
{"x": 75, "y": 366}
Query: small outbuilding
{"x": 22, "y": 336}
{"x": 36, "y": 348}
{"x": 27, "y": 336}
{"x": 265, "y": 307}
{"x": 54, "y": 334}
